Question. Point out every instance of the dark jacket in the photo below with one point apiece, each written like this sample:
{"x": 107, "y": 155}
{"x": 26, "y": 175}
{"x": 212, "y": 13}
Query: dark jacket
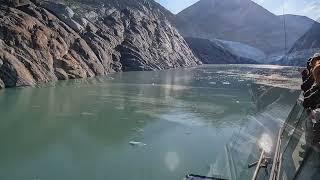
{"x": 309, "y": 64}
{"x": 305, "y": 75}
{"x": 313, "y": 89}
{"x": 312, "y": 101}
{"x": 307, "y": 84}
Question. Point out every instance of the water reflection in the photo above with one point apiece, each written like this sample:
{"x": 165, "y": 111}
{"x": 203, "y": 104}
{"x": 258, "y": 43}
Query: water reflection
{"x": 172, "y": 160}
{"x": 265, "y": 143}
{"x": 81, "y": 129}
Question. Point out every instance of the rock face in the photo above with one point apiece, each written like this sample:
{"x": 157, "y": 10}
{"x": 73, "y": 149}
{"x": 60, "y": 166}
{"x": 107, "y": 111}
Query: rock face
{"x": 310, "y": 40}
{"x": 241, "y": 21}
{"x": 213, "y": 52}
{"x": 303, "y": 48}
{"x": 42, "y": 41}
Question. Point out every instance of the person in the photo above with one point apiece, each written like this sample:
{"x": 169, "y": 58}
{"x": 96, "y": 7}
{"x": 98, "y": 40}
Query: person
{"x": 315, "y": 60}
{"x": 308, "y": 82}
{"x": 312, "y": 96}
{"x": 316, "y": 74}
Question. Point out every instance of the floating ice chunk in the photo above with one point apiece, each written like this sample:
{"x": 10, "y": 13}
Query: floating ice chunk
{"x": 138, "y": 130}
{"x": 241, "y": 80}
{"x": 226, "y": 83}
{"x": 119, "y": 107}
{"x": 86, "y": 114}
{"x": 153, "y": 84}
{"x": 213, "y": 83}
{"x": 237, "y": 102}
{"x": 135, "y": 143}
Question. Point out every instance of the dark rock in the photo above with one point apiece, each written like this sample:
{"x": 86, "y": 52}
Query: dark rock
{"x": 64, "y": 13}
{"x": 59, "y": 9}
{"x": 61, "y": 74}
{"x": 2, "y": 84}
{"x": 15, "y": 3}
{"x": 13, "y": 72}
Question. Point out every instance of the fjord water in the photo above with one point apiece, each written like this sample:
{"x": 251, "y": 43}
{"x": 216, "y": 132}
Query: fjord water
{"x": 82, "y": 129}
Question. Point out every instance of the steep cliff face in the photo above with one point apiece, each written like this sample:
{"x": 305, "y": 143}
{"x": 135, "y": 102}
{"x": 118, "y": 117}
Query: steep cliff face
{"x": 42, "y": 41}
{"x": 303, "y": 48}
{"x": 310, "y": 40}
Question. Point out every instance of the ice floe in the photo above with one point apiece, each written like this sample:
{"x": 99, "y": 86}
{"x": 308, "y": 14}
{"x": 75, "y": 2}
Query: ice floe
{"x": 136, "y": 143}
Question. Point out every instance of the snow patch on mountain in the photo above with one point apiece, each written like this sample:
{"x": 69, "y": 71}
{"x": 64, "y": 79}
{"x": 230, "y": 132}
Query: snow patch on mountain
{"x": 243, "y": 50}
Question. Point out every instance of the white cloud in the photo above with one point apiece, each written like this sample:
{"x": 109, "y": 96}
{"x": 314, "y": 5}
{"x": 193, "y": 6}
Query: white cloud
{"x": 312, "y": 9}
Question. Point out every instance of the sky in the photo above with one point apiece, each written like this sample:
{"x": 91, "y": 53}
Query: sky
{"x": 310, "y": 8}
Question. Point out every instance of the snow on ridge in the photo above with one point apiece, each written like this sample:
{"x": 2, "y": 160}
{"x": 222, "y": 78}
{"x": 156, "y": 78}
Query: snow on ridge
{"x": 243, "y": 50}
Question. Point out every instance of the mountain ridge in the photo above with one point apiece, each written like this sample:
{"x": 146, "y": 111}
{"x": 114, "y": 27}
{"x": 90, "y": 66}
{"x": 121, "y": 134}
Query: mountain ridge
{"x": 303, "y": 48}
{"x": 240, "y": 21}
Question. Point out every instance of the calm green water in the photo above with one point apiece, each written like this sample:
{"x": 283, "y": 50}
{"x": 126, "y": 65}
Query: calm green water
{"x": 81, "y": 129}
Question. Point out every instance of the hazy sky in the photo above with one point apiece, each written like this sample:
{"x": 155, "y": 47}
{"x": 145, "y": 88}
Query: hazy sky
{"x": 310, "y": 8}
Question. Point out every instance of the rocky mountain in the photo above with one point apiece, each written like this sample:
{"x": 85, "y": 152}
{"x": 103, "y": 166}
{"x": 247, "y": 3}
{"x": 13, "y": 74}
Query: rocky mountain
{"x": 215, "y": 52}
{"x": 310, "y": 40}
{"x": 42, "y": 41}
{"x": 241, "y": 21}
{"x": 301, "y": 24}
{"x": 303, "y": 48}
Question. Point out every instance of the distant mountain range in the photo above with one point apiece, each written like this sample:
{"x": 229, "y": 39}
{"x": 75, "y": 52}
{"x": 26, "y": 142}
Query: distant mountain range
{"x": 241, "y": 21}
